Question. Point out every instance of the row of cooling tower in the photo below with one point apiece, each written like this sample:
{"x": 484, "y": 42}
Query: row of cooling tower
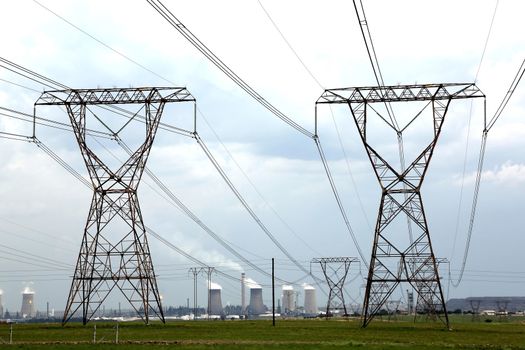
{"x": 28, "y": 304}
{"x": 256, "y": 305}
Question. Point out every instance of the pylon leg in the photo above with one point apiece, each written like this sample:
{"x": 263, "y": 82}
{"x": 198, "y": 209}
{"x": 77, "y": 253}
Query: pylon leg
{"x": 109, "y": 260}
{"x": 390, "y": 266}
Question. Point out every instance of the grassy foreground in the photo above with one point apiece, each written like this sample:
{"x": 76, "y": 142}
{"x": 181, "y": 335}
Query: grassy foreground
{"x": 288, "y": 334}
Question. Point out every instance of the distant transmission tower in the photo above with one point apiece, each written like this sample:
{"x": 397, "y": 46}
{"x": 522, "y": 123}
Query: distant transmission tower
{"x": 114, "y": 253}
{"x": 335, "y": 271}
{"x": 474, "y": 305}
{"x": 396, "y": 259}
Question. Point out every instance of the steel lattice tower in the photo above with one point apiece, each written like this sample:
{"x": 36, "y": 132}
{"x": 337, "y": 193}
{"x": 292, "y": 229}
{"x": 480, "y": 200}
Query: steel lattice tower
{"x": 391, "y": 263}
{"x": 335, "y": 270}
{"x": 114, "y": 252}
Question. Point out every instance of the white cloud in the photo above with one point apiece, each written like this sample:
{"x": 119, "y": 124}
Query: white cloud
{"x": 508, "y": 174}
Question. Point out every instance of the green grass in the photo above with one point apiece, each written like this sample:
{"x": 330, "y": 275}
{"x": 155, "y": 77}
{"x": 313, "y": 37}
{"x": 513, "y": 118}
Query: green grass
{"x": 288, "y": 334}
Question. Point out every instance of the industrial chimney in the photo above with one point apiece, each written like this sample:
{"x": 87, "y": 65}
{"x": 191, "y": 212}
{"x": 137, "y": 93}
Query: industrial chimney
{"x": 288, "y": 299}
{"x": 28, "y": 303}
{"x": 215, "y": 306}
{"x": 1, "y": 305}
{"x": 243, "y": 297}
{"x": 310, "y": 302}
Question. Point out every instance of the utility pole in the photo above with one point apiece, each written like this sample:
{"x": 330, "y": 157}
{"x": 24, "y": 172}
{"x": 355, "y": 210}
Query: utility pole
{"x": 195, "y": 272}
{"x": 273, "y": 292}
{"x": 209, "y": 270}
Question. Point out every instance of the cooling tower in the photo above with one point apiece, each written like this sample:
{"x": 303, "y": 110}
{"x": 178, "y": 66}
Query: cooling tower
{"x": 215, "y": 306}
{"x": 288, "y": 299}
{"x": 28, "y": 303}
{"x": 256, "y": 306}
{"x": 310, "y": 303}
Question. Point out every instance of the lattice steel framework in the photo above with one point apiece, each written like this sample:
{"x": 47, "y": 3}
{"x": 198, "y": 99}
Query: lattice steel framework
{"x": 114, "y": 252}
{"x": 474, "y": 305}
{"x": 335, "y": 270}
{"x": 391, "y": 263}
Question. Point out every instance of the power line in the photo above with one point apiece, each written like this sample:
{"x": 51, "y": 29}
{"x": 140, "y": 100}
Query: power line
{"x": 339, "y": 138}
{"x": 290, "y": 45}
{"x": 188, "y": 35}
{"x": 318, "y": 144}
{"x": 507, "y": 97}
{"x": 460, "y": 202}
{"x": 367, "y": 38}
{"x": 100, "y": 41}
{"x": 56, "y": 157}
{"x": 36, "y": 231}
{"x": 339, "y": 202}
{"x": 175, "y": 200}
{"x": 40, "y": 79}
{"x": 488, "y": 126}
{"x": 246, "y": 205}
{"x": 260, "y": 99}
{"x": 26, "y": 117}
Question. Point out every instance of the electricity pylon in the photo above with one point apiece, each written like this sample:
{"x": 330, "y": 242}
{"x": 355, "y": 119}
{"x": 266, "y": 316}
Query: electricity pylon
{"x": 114, "y": 253}
{"x": 335, "y": 270}
{"x": 393, "y": 262}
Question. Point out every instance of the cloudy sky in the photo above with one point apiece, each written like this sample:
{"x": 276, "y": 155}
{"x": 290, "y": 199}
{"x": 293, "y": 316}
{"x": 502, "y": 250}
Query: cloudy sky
{"x": 277, "y": 170}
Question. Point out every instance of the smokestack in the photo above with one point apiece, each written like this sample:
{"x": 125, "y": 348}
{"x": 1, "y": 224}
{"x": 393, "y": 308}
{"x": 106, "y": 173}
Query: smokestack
{"x": 243, "y": 295}
{"x": 28, "y": 303}
{"x": 215, "y": 306}
{"x": 256, "y": 301}
{"x": 288, "y": 299}
{"x": 1, "y": 305}
{"x": 310, "y": 303}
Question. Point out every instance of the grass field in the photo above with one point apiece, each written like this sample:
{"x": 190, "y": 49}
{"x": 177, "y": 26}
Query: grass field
{"x": 288, "y": 334}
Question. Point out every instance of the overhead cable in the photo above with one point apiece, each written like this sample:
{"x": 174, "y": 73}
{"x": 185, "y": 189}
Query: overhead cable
{"x": 507, "y": 97}
{"x": 367, "y": 38}
{"x": 479, "y": 171}
{"x": 339, "y": 202}
{"x": 35, "y": 77}
{"x": 195, "y": 219}
{"x": 188, "y": 35}
{"x": 339, "y": 138}
{"x": 467, "y": 141}
{"x": 257, "y": 97}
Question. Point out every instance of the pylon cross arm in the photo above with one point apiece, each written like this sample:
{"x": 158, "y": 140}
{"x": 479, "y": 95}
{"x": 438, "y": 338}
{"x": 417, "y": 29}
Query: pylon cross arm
{"x": 401, "y": 93}
{"x": 113, "y": 96}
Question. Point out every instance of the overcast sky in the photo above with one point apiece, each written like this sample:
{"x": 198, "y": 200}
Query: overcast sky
{"x": 43, "y": 208}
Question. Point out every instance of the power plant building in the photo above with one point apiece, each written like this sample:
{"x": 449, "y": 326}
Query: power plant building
{"x": 28, "y": 303}
{"x": 310, "y": 302}
{"x": 288, "y": 299}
